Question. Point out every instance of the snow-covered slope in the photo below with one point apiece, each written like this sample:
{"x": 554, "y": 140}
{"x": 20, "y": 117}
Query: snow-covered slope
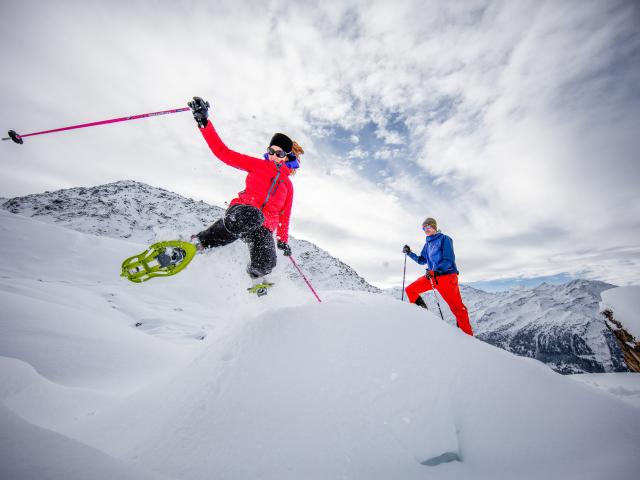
{"x": 558, "y": 325}
{"x": 145, "y": 214}
{"x": 179, "y": 378}
{"x": 623, "y": 385}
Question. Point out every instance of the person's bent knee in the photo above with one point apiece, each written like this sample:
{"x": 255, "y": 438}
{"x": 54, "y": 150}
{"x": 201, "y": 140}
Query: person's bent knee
{"x": 241, "y": 220}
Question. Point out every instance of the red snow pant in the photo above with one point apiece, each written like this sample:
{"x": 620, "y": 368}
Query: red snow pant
{"x": 447, "y": 286}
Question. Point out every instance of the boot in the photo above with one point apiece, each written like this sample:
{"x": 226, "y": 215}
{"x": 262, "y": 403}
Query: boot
{"x": 195, "y": 239}
{"x": 420, "y": 302}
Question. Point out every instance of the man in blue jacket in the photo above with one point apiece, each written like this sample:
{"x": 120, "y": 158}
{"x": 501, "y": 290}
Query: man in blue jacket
{"x": 442, "y": 273}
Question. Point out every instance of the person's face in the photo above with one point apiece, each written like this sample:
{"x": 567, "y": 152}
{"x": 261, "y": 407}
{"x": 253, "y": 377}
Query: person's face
{"x": 429, "y": 230}
{"x": 274, "y": 155}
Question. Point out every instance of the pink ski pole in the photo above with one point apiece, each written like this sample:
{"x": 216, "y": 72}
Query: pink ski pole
{"x": 18, "y": 138}
{"x": 305, "y": 278}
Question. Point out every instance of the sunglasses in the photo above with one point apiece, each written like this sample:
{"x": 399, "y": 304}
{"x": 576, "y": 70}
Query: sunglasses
{"x": 277, "y": 153}
{"x": 427, "y": 227}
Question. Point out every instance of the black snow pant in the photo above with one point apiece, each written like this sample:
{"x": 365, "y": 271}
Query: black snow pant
{"x": 244, "y": 222}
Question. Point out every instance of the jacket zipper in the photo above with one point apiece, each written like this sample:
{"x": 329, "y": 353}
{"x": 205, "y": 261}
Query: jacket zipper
{"x": 275, "y": 179}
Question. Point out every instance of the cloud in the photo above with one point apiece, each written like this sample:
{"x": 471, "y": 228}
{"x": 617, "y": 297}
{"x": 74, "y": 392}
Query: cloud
{"x": 357, "y": 153}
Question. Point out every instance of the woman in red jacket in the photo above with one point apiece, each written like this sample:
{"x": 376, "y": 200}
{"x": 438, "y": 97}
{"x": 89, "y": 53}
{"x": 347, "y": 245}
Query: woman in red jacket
{"x": 263, "y": 207}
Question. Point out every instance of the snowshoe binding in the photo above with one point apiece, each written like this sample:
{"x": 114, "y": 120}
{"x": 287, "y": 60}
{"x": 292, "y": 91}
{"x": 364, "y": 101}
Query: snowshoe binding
{"x": 260, "y": 287}
{"x": 159, "y": 260}
{"x": 195, "y": 240}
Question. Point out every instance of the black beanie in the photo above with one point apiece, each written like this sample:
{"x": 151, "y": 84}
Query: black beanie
{"x": 282, "y": 141}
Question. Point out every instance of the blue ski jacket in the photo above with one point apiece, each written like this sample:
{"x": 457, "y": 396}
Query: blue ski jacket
{"x": 438, "y": 254}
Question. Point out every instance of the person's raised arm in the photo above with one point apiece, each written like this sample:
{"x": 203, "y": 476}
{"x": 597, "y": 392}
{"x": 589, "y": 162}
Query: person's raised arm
{"x": 200, "y": 110}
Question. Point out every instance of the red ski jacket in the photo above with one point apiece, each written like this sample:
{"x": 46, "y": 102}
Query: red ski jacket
{"x": 267, "y": 186}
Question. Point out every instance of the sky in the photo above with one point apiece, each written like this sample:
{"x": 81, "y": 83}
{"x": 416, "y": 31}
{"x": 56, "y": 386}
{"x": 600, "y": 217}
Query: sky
{"x": 514, "y": 124}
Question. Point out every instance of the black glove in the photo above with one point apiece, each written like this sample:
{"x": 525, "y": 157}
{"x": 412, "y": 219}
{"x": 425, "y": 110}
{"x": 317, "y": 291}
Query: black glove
{"x": 286, "y": 249}
{"x": 428, "y": 275}
{"x": 200, "y": 110}
{"x": 406, "y": 249}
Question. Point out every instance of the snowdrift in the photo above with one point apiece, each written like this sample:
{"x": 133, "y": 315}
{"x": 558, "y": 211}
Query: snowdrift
{"x": 189, "y": 378}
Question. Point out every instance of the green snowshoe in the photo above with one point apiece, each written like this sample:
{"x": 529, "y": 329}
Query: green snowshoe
{"x": 159, "y": 260}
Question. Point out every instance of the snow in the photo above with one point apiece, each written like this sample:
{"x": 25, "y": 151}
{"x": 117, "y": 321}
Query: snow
{"x": 214, "y": 383}
{"x": 28, "y": 451}
{"x": 624, "y": 302}
{"x": 624, "y": 385}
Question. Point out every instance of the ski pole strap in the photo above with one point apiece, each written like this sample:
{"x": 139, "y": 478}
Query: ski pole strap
{"x": 305, "y": 278}
{"x": 273, "y": 183}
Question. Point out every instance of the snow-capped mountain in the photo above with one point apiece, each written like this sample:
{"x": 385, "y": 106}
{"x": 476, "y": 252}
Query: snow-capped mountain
{"x": 124, "y": 209}
{"x": 146, "y": 214}
{"x": 558, "y": 325}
